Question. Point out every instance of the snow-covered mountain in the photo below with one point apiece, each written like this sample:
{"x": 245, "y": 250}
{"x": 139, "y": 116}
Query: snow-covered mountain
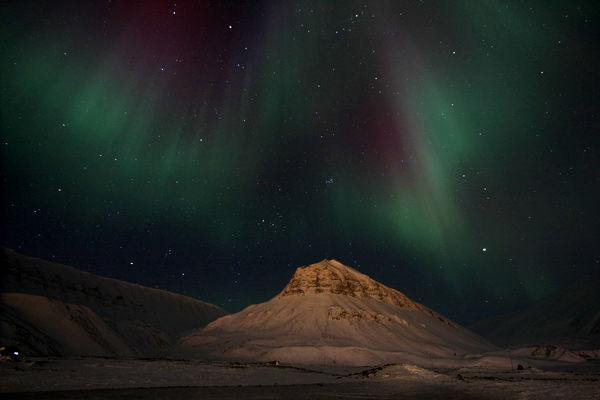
{"x": 569, "y": 318}
{"x": 332, "y": 314}
{"x": 53, "y": 309}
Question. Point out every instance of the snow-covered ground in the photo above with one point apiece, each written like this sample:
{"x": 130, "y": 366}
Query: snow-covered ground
{"x": 102, "y": 378}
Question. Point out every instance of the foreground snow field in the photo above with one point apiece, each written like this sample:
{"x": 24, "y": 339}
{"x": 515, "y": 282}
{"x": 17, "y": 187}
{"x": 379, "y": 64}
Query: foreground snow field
{"x": 103, "y": 378}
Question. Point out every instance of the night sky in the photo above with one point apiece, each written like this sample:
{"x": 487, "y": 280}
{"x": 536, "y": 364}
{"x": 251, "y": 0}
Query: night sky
{"x": 448, "y": 149}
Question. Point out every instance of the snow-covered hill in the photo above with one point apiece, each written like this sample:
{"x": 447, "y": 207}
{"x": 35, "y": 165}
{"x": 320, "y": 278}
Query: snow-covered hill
{"x": 569, "y": 318}
{"x": 54, "y": 309}
{"x": 332, "y": 314}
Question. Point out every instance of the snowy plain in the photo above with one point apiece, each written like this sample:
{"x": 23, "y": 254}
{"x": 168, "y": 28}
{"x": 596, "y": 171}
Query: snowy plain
{"x": 103, "y": 378}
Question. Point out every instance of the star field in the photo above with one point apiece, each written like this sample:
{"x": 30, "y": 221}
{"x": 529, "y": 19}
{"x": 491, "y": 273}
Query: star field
{"x": 449, "y": 150}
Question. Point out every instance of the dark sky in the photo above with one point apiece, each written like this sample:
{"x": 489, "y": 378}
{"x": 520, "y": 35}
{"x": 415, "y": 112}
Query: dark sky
{"x": 448, "y": 149}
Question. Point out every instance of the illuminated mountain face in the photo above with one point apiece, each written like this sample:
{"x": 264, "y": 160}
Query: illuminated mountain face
{"x": 330, "y": 313}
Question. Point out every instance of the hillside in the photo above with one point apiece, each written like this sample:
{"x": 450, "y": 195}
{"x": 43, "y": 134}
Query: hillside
{"x": 332, "y": 314}
{"x": 50, "y": 308}
{"x": 569, "y": 318}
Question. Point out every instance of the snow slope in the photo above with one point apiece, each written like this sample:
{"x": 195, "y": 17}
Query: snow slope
{"x": 53, "y": 327}
{"x": 569, "y": 318}
{"x": 332, "y": 314}
{"x": 49, "y": 308}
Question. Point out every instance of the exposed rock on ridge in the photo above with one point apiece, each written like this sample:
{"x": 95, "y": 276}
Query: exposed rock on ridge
{"x": 331, "y": 276}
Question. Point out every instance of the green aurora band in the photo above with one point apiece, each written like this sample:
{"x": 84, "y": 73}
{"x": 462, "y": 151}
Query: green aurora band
{"x": 391, "y": 132}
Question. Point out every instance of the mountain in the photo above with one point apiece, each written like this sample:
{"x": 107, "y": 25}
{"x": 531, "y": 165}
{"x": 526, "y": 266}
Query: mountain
{"x": 569, "y": 318}
{"x": 332, "y": 314}
{"x": 54, "y": 309}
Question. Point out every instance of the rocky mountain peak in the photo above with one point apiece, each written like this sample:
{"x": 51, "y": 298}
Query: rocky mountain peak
{"x": 333, "y": 277}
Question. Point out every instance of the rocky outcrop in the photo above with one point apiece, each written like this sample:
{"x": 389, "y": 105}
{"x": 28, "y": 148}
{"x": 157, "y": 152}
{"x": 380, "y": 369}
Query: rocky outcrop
{"x": 331, "y": 276}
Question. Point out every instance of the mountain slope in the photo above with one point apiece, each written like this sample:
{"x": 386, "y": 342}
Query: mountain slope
{"x": 332, "y": 314}
{"x": 41, "y": 325}
{"x": 120, "y": 318}
{"x": 569, "y": 318}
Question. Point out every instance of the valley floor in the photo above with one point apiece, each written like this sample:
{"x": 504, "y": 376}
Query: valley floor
{"x": 103, "y": 378}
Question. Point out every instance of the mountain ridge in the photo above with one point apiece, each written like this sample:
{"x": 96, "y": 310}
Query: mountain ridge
{"x": 125, "y": 315}
{"x": 334, "y": 277}
{"x": 330, "y": 313}
{"x": 569, "y": 317}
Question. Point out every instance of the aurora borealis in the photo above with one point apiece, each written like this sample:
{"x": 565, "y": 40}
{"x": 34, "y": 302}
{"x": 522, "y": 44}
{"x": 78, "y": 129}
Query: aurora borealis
{"x": 447, "y": 149}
